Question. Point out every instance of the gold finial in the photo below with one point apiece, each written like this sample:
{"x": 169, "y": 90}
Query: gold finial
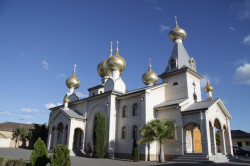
{"x": 176, "y": 23}
{"x": 111, "y": 49}
{"x": 66, "y": 99}
{"x": 117, "y": 44}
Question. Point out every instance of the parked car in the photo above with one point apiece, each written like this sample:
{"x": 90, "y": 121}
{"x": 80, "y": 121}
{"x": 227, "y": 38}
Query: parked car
{"x": 241, "y": 151}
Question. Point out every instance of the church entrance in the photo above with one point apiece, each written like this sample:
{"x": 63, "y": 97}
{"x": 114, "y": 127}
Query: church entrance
{"x": 193, "y": 138}
{"x": 197, "y": 141}
{"x": 78, "y": 139}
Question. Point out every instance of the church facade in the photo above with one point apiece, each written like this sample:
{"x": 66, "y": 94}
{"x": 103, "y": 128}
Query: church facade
{"x": 177, "y": 98}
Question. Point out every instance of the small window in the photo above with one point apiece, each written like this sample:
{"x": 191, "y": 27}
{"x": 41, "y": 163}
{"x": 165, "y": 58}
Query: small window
{"x": 135, "y": 132}
{"x": 175, "y": 83}
{"x": 135, "y": 109}
{"x": 93, "y": 94}
{"x": 125, "y": 111}
{"x": 124, "y": 132}
{"x": 100, "y": 92}
{"x": 172, "y": 64}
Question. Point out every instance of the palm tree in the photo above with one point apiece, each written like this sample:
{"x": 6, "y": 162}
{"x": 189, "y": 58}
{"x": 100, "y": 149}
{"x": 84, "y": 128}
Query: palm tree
{"x": 147, "y": 133}
{"x": 17, "y": 134}
{"x": 159, "y": 130}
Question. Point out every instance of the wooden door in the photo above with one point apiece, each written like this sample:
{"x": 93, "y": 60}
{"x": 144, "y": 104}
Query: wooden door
{"x": 197, "y": 141}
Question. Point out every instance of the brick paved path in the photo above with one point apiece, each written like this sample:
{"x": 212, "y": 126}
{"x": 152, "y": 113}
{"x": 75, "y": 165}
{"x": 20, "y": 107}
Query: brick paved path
{"x": 82, "y": 161}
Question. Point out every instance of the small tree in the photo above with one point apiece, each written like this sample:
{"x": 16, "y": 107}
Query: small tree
{"x": 161, "y": 131}
{"x": 39, "y": 156}
{"x": 100, "y": 135}
{"x": 17, "y": 134}
{"x": 147, "y": 137}
{"x": 135, "y": 152}
{"x": 60, "y": 156}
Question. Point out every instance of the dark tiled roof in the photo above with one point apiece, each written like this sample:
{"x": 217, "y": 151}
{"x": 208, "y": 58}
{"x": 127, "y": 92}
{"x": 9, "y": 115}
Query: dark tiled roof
{"x": 10, "y": 126}
{"x": 201, "y": 105}
{"x": 171, "y": 102}
{"x": 237, "y": 134}
{"x": 72, "y": 114}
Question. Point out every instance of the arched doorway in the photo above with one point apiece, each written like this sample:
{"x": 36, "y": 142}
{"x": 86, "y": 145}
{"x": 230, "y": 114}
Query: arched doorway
{"x": 218, "y": 128}
{"x": 189, "y": 142}
{"x": 193, "y": 138}
{"x": 197, "y": 140}
{"x": 78, "y": 139}
{"x": 59, "y": 133}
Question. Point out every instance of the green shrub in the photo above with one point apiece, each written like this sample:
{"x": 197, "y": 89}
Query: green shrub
{"x": 3, "y": 160}
{"x": 39, "y": 156}
{"x": 135, "y": 152}
{"x": 19, "y": 162}
{"x": 60, "y": 156}
{"x": 100, "y": 135}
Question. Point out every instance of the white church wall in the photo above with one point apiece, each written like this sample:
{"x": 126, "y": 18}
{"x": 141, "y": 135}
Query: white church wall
{"x": 173, "y": 146}
{"x": 126, "y": 145}
{"x": 190, "y": 87}
{"x": 176, "y": 91}
{"x": 215, "y": 112}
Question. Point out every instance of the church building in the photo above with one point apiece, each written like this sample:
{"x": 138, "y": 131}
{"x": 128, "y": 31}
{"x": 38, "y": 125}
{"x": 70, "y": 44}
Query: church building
{"x": 177, "y": 97}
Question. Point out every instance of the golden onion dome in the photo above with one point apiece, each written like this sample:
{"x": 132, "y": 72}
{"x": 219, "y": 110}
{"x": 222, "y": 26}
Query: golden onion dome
{"x": 116, "y": 62}
{"x": 177, "y": 33}
{"x": 66, "y": 99}
{"x": 103, "y": 70}
{"x": 150, "y": 77}
{"x": 73, "y": 81}
{"x": 208, "y": 88}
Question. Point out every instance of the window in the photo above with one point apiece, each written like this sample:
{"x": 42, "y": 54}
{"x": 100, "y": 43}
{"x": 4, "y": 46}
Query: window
{"x": 135, "y": 109}
{"x": 247, "y": 143}
{"x": 124, "y": 132}
{"x": 93, "y": 94}
{"x": 135, "y": 132}
{"x": 175, "y": 83}
{"x": 172, "y": 64}
{"x": 124, "y": 111}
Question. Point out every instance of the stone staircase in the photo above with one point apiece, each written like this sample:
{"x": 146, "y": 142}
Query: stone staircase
{"x": 218, "y": 158}
{"x": 77, "y": 152}
{"x": 192, "y": 158}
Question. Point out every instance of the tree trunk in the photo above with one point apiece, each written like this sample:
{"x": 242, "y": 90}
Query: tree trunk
{"x": 161, "y": 155}
{"x": 148, "y": 151}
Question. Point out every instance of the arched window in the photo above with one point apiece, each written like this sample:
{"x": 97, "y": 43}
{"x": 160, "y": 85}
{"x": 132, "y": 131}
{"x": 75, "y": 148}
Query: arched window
{"x": 175, "y": 83}
{"x": 124, "y": 111}
{"x": 135, "y": 109}
{"x": 135, "y": 132}
{"x": 124, "y": 132}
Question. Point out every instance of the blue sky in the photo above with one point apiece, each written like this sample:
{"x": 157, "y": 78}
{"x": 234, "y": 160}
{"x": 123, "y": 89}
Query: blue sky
{"x": 40, "y": 41}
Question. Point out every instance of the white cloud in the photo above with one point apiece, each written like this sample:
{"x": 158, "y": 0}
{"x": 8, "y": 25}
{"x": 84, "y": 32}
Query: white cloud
{"x": 246, "y": 40}
{"x": 164, "y": 28}
{"x": 231, "y": 28}
{"x": 27, "y": 117}
{"x": 158, "y": 8}
{"x": 240, "y": 62}
{"x": 45, "y": 65}
{"x": 81, "y": 95}
{"x": 30, "y": 110}
{"x": 5, "y": 113}
{"x": 51, "y": 105}
{"x": 242, "y": 74}
{"x": 60, "y": 76}
{"x": 243, "y": 9}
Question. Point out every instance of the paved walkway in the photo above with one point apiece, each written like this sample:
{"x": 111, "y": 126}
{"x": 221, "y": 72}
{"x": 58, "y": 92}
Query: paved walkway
{"x": 79, "y": 161}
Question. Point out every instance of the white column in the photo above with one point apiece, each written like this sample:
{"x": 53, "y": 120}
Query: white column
{"x": 111, "y": 115}
{"x": 222, "y": 141}
{"x": 214, "y": 141}
{"x": 229, "y": 137}
{"x": 49, "y": 136}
